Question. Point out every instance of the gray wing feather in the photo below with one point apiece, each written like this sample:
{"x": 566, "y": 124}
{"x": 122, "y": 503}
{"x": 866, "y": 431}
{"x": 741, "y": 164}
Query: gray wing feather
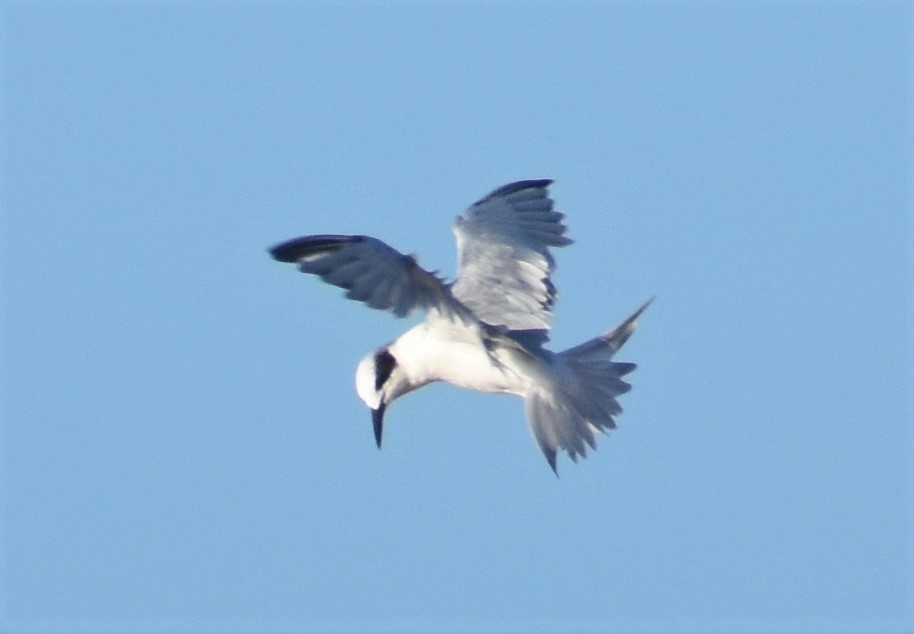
{"x": 504, "y": 263}
{"x": 371, "y": 271}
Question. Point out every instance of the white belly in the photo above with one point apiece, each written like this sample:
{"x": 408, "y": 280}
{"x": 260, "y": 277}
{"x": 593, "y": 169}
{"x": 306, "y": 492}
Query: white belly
{"x": 428, "y": 354}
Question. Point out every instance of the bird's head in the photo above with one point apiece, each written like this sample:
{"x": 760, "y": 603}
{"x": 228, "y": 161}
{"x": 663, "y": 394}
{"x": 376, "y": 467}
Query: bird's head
{"x": 379, "y": 380}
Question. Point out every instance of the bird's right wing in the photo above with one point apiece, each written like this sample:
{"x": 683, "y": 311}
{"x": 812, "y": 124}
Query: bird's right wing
{"x": 371, "y": 271}
{"x": 504, "y": 263}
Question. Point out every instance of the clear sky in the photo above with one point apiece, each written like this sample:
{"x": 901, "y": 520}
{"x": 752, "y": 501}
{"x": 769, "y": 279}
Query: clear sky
{"x": 182, "y": 446}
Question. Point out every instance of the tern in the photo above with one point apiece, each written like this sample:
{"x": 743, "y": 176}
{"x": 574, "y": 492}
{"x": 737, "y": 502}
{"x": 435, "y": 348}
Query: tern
{"x": 486, "y": 330}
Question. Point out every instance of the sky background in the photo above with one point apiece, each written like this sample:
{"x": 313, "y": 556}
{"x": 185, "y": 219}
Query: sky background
{"x": 182, "y": 448}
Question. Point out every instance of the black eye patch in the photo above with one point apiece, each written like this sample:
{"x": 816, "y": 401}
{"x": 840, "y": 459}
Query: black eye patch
{"x": 384, "y": 363}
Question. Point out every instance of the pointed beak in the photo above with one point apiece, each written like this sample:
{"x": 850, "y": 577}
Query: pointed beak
{"x": 377, "y": 419}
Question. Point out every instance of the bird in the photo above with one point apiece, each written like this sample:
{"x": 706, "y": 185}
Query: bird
{"x": 487, "y": 330}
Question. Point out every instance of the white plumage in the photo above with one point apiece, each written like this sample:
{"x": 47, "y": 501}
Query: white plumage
{"x": 487, "y": 330}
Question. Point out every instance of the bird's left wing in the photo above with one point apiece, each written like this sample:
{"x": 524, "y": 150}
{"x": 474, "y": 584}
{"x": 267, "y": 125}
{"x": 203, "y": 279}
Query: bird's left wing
{"x": 371, "y": 271}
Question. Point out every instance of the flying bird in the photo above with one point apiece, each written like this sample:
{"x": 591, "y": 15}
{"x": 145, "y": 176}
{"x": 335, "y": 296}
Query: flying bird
{"x": 487, "y": 330}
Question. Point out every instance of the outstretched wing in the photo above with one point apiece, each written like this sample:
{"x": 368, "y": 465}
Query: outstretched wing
{"x": 371, "y": 271}
{"x": 503, "y": 257}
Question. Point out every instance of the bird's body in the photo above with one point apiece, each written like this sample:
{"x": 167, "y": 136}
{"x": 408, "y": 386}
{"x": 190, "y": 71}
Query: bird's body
{"x": 429, "y": 353}
{"x": 487, "y": 330}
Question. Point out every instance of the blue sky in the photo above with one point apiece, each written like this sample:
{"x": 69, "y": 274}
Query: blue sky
{"x": 182, "y": 446}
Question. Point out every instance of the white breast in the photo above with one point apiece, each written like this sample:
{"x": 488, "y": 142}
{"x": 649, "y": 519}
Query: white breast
{"x": 439, "y": 352}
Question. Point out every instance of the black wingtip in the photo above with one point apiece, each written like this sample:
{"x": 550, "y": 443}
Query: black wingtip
{"x": 516, "y": 186}
{"x": 287, "y": 251}
{"x": 293, "y": 250}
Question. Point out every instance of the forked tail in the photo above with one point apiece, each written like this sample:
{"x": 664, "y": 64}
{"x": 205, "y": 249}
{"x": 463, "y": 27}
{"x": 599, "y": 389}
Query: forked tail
{"x": 581, "y": 401}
